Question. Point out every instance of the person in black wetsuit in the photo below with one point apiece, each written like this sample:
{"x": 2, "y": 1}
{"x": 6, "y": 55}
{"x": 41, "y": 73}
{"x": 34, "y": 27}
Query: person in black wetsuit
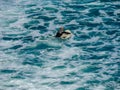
{"x": 59, "y": 33}
{"x": 63, "y": 34}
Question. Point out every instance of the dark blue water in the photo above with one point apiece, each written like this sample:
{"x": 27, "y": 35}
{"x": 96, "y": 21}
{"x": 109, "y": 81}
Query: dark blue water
{"x": 32, "y": 59}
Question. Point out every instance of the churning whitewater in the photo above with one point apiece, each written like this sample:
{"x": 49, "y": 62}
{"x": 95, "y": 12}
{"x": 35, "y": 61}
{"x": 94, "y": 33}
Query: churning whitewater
{"x": 32, "y": 59}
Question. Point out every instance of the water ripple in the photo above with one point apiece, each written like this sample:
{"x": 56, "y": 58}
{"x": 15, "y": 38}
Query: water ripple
{"x": 32, "y": 59}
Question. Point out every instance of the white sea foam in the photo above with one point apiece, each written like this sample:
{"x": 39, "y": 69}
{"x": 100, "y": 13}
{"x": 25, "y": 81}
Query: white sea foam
{"x": 98, "y": 20}
{"x": 62, "y": 66}
{"x": 117, "y": 12}
{"x": 99, "y": 87}
{"x": 103, "y": 13}
{"x": 8, "y": 44}
{"x": 68, "y": 52}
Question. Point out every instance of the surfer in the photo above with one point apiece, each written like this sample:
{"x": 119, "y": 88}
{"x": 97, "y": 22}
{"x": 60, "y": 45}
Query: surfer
{"x": 63, "y": 34}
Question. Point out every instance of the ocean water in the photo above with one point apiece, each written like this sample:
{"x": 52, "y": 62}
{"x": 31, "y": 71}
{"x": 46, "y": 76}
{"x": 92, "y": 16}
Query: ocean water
{"x": 32, "y": 59}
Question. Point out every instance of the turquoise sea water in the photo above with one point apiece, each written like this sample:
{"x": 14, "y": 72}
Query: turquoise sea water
{"x": 32, "y": 59}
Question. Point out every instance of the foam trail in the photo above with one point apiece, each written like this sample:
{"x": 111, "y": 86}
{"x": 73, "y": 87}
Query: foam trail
{"x": 31, "y": 58}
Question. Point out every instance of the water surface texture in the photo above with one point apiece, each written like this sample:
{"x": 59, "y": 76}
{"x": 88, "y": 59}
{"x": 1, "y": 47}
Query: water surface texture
{"x": 32, "y": 59}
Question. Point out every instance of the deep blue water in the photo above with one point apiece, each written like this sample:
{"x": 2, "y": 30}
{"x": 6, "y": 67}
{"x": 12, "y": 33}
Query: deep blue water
{"x": 32, "y": 59}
